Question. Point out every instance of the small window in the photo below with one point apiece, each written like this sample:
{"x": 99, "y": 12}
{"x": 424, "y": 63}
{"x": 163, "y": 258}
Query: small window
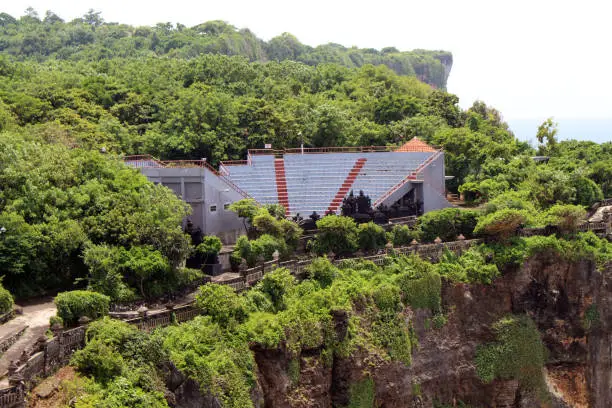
{"x": 226, "y": 206}
{"x": 213, "y": 208}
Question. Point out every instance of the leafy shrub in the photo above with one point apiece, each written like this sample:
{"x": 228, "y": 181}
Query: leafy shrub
{"x": 100, "y": 360}
{"x": 6, "y": 300}
{"x": 265, "y": 246}
{"x": 262, "y": 248}
{"x": 439, "y": 321}
{"x": 336, "y": 234}
{"x": 362, "y": 394}
{"x": 122, "y": 392}
{"x": 140, "y": 266}
{"x": 402, "y": 235}
{"x": 391, "y": 333}
{"x": 210, "y": 248}
{"x": 447, "y": 224}
{"x": 105, "y": 274}
{"x": 322, "y": 271}
{"x": 421, "y": 292}
{"x": 264, "y": 223}
{"x": 550, "y": 245}
{"x": 371, "y": 236}
{"x": 256, "y": 301}
{"x": 587, "y": 191}
{"x": 470, "y": 267}
{"x": 485, "y": 189}
{"x": 276, "y": 285}
{"x": 221, "y": 303}
{"x": 502, "y": 224}
{"x": 264, "y": 329}
{"x": 510, "y": 253}
{"x": 388, "y": 298}
{"x": 77, "y": 303}
{"x": 290, "y": 232}
{"x": 218, "y": 360}
{"x": 517, "y": 353}
{"x": 276, "y": 210}
{"x": 516, "y": 200}
{"x": 245, "y": 208}
{"x": 56, "y": 320}
{"x": 293, "y": 371}
{"x": 244, "y": 250}
{"x": 591, "y": 318}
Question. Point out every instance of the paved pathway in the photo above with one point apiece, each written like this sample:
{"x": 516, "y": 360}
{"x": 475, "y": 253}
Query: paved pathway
{"x": 36, "y": 316}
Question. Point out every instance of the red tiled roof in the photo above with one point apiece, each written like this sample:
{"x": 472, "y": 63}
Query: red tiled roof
{"x": 415, "y": 145}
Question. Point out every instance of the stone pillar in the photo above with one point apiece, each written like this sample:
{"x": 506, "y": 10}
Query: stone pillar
{"x": 607, "y": 219}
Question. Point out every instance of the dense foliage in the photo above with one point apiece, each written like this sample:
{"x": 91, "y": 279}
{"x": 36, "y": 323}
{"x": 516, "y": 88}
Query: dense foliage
{"x": 373, "y": 304}
{"x": 75, "y": 95}
{"x": 123, "y": 364}
{"x": 81, "y": 214}
{"x": 91, "y": 38}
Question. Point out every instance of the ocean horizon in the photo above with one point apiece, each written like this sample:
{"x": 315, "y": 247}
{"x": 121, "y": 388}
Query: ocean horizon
{"x": 595, "y": 130}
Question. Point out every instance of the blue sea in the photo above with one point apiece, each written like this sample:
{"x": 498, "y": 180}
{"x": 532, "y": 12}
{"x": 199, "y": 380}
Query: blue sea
{"x": 596, "y": 130}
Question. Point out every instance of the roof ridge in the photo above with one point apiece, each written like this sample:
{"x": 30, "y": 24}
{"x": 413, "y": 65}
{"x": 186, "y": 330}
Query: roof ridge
{"x": 415, "y": 145}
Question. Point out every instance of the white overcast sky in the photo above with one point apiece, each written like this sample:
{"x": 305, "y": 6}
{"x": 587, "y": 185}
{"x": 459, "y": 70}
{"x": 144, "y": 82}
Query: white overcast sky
{"x": 527, "y": 58}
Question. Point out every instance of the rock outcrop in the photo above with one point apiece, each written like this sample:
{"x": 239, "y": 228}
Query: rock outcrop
{"x": 570, "y": 302}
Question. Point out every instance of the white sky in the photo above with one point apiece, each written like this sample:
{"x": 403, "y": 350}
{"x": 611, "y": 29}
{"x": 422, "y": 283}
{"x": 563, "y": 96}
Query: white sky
{"x": 527, "y": 58}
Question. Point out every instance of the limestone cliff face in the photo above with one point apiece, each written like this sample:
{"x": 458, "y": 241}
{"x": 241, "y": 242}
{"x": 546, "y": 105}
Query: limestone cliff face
{"x": 557, "y": 295}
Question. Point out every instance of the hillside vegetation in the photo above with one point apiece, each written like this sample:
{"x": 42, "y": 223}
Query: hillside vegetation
{"x": 91, "y": 38}
{"x": 76, "y": 96}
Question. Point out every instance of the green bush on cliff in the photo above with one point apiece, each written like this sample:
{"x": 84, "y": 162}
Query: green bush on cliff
{"x": 362, "y": 394}
{"x": 505, "y": 254}
{"x": 517, "y": 353}
{"x": 422, "y": 292}
{"x": 220, "y": 361}
{"x": 221, "y": 303}
{"x": 122, "y": 360}
{"x": 470, "y": 267}
{"x": 583, "y": 246}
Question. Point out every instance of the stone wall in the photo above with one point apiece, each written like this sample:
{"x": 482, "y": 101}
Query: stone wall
{"x": 10, "y": 339}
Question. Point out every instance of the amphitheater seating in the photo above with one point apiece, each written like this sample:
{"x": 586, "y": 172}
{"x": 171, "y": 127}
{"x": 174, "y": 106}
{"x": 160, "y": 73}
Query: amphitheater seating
{"x": 319, "y": 182}
{"x": 258, "y": 179}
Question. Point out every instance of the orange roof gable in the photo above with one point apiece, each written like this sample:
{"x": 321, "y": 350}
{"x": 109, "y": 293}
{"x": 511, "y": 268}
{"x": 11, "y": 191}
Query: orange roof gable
{"x": 415, "y": 145}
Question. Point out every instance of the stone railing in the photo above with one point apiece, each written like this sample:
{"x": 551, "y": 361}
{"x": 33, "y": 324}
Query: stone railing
{"x": 151, "y": 321}
{"x": 117, "y": 308}
{"x": 431, "y": 252}
{"x": 13, "y": 396}
{"x": 603, "y": 228}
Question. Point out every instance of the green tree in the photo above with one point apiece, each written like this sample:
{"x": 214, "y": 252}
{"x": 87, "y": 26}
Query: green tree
{"x": 221, "y": 303}
{"x": 336, "y": 234}
{"x": 547, "y": 136}
{"x": 371, "y": 237}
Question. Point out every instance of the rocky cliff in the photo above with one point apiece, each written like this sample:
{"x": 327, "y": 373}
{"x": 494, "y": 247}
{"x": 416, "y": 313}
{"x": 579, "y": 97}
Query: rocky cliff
{"x": 570, "y": 303}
